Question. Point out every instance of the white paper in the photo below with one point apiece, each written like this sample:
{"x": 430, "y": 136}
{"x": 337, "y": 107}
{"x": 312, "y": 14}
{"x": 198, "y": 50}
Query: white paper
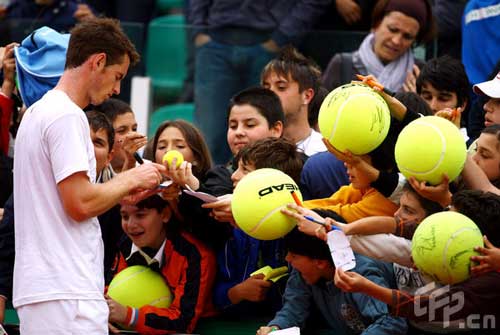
{"x": 205, "y": 197}
{"x": 287, "y": 331}
{"x": 340, "y": 248}
{"x": 166, "y": 184}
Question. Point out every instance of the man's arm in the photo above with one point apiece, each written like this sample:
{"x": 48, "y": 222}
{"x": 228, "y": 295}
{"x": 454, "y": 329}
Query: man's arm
{"x": 83, "y": 199}
{"x": 371, "y": 225}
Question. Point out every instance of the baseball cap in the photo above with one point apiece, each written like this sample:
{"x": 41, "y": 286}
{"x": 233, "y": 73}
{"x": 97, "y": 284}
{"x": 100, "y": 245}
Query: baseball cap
{"x": 489, "y": 88}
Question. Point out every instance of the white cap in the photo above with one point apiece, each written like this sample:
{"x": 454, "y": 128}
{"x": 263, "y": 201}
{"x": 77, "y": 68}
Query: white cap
{"x": 489, "y": 88}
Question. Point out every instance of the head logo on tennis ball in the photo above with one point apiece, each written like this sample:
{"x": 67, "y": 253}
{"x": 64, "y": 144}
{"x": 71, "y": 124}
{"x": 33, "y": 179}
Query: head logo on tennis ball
{"x": 257, "y": 201}
{"x": 354, "y": 117}
{"x": 429, "y": 147}
{"x": 443, "y": 244}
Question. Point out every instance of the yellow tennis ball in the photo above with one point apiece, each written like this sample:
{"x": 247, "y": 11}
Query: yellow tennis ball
{"x": 257, "y": 201}
{"x": 170, "y": 155}
{"x": 443, "y": 244}
{"x": 354, "y": 117}
{"x": 428, "y": 147}
{"x": 137, "y": 286}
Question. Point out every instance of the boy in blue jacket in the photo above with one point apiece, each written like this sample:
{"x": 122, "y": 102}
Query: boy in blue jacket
{"x": 311, "y": 283}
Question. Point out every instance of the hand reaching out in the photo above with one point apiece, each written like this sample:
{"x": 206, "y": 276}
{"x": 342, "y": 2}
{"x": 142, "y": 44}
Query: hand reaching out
{"x": 489, "y": 259}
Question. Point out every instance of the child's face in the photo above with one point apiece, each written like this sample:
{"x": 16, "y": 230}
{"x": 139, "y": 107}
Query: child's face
{"x": 123, "y": 124}
{"x": 307, "y": 267}
{"x": 357, "y": 178}
{"x": 101, "y": 148}
{"x": 242, "y": 171}
{"x": 492, "y": 112}
{"x": 438, "y": 99}
{"x": 172, "y": 138}
{"x": 410, "y": 208}
{"x": 288, "y": 92}
{"x": 488, "y": 155}
{"x": 247, "y": 125}
{"x": 146, "y": 226}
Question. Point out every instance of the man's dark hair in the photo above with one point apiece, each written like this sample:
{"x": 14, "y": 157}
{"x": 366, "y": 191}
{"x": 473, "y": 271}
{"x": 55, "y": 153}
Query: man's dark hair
{"x": 113, "y": 107}
{"x": 265, "y": 101}
{"x": 98, "y": 121}
{"x": 310, "y": 246}
{"x": 291, "y": 64}
{"x": 445, "y": 74}
{"x": 481, "y": 207}
{"x": 99, "y": 35}
{"x": 275, "y": 153}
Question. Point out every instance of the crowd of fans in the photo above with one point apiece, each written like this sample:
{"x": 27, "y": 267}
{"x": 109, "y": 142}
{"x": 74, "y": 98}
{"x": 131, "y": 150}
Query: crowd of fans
{"x": 77, "y": 206}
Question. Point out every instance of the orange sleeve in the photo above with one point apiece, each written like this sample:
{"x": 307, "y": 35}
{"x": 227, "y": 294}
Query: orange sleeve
{"x": 352, "y": 204}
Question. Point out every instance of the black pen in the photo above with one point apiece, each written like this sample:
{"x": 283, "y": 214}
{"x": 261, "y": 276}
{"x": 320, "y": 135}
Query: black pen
{"x": 138, "y": 158}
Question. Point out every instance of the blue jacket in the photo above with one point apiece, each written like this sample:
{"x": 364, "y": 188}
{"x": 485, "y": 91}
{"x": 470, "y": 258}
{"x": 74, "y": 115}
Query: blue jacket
{"x": 345, "y": 313}
{"x": 239, "y": 258}
{"x": 480, "y": 32}
{"x": 286, "y": 20}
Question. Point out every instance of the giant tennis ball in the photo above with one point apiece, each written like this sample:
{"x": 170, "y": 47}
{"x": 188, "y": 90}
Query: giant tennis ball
{"x": 443, "y": 244}
{"x": 137, "y": 286}
{"x": 354, "y": 117}
{"x": 170, "y": 155}
{"x": 257, "y": 201}
{"x": 428, "y": 147}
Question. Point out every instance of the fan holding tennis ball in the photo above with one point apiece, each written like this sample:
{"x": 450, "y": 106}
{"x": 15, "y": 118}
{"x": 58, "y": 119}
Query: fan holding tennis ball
{"x": 169, "y": 158}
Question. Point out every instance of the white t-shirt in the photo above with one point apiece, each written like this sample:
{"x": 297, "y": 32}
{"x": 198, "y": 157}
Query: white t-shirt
{"x": 312, "y": 144}
{"x": 56, "y": 257}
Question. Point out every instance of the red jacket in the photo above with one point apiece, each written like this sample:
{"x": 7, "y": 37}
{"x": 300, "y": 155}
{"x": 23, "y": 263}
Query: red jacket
{"x": 6, "y": 106}
{"x": 189, "y": 270}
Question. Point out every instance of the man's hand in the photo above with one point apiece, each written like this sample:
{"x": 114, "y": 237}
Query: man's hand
{"x": 349, "y": 10}
{"x": 253, "y": 289}
{"x": 201, "y": 39}
{"x": 83, "y": 12}
{"x": 490, "y": 259}
{"x": 271, "y": 46}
